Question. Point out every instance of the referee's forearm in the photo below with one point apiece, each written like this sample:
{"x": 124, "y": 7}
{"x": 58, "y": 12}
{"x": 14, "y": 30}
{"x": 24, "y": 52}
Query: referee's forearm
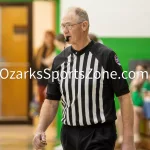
{"x": 127, "y": 117}
{"x": 47, "y": 114}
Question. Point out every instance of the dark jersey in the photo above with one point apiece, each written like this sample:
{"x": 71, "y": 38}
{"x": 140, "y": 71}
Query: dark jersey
{"x": 83, "y": 80}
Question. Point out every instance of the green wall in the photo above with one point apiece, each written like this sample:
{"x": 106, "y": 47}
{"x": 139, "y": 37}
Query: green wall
{"x": 57, "y": 16}
{"x": 128, "y": 49}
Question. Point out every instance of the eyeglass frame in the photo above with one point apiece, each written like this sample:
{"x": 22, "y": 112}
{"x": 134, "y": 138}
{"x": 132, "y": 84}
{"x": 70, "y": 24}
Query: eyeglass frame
{"x": 69, "y": 25}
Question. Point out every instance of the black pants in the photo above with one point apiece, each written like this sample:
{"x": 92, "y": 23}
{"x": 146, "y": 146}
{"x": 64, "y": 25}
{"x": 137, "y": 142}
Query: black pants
{"x": 95, "y": 137}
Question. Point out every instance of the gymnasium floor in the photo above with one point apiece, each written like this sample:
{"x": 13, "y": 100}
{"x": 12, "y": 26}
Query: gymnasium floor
{"x": 14, "y": 137}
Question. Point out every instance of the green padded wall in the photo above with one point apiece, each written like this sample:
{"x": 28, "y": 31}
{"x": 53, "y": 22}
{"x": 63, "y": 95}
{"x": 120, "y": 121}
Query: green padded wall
{"x": 128, "y": 49}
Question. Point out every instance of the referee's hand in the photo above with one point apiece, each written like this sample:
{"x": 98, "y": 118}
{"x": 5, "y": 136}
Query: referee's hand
{"x": 39, "y": 141}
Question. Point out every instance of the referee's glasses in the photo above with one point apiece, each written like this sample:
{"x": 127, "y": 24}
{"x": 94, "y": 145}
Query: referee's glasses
{"x": 69, "y": 26}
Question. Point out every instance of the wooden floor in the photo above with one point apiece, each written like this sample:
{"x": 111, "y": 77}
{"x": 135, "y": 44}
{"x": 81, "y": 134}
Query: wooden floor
{"x": 14, "y": 137}
{"x": 19, "y": 138}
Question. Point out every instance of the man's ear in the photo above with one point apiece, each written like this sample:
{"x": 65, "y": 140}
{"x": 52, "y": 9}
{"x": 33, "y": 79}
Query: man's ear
{"x": 85, "y": 25}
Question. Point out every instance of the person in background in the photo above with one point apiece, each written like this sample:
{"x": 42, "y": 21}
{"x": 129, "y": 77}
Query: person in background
{"x": 44, "y": 52}
{"x": 135, "y": 88}
{"x": 59, "y": 43}
{"x": 95, "y": 38}
{"x": 146, "y": 96}
{"x": 146, "y": 86}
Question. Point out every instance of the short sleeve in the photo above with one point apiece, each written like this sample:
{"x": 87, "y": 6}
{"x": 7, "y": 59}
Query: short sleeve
{"x": 146, "y": 86}
{"x": 137, "y": 98}
{"x": 116, "y": 78}
{"x": 53, "y": 88}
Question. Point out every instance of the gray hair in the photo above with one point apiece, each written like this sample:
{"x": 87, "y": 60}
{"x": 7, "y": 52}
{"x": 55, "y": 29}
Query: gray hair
{"x": 81, "y": 13}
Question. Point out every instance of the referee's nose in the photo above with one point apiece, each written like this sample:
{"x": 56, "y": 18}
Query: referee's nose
{"x": 66, "y": 31}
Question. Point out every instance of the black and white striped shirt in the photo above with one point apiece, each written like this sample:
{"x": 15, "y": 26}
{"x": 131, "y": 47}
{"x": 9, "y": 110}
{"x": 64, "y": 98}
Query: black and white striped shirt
{"x": 87, "y": 94}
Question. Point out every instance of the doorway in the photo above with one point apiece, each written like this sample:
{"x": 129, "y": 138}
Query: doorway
{"x": 15, "y": 59}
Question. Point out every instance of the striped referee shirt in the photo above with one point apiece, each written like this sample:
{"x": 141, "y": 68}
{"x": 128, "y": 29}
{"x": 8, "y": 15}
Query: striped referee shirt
{"x": 87, "y": 91}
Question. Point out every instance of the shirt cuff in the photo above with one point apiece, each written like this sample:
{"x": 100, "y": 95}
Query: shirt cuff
{"x": 53, "y": 97}
{"x": 123, "y": 92}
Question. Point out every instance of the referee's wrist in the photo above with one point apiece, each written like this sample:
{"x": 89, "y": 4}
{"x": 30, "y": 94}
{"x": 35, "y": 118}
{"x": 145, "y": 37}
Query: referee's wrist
{"x": 39, "y": 130}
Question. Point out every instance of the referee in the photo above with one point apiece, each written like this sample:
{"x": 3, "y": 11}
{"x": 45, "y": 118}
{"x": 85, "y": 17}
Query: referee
{"x": 86, "y": 75}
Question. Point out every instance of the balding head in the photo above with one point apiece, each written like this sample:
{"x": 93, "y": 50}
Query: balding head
{"x": 80, "y": 13}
